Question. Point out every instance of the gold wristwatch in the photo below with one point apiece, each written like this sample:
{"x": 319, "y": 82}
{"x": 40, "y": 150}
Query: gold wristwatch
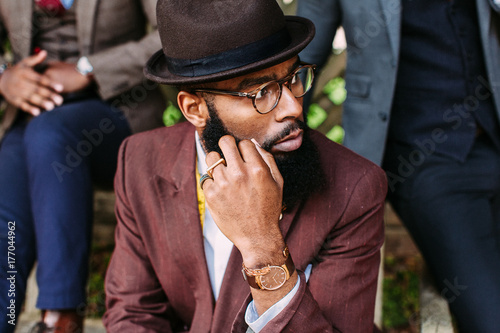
{"x": 270, "y": 277}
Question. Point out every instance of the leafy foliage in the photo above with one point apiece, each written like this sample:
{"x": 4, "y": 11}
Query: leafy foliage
{"x": 100, "y": 257}
{"x": 316, "y": 116}
{"x": 335, "y": 90}
{"x": 172, "y": 115}
{"x": 401, "y": 294}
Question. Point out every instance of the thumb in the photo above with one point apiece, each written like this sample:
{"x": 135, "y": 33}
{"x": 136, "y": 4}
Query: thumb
{"x": 35, "y": 59}
{"x": 271, "y": 163}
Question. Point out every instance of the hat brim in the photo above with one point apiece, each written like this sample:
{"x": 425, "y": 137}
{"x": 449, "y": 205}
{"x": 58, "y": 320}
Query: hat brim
{"x": 301, "y": 31}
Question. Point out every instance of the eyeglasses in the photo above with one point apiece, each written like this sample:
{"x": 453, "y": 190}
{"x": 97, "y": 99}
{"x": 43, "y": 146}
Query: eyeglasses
{"x": 267, "y": 96}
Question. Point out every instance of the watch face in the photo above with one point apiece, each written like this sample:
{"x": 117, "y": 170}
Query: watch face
{"x": 274, "y": 279}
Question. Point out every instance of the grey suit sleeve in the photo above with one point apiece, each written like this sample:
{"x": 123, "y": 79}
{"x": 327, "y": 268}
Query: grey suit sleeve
{"x": 325, "y": 14}
{"x": 119, "y": 68}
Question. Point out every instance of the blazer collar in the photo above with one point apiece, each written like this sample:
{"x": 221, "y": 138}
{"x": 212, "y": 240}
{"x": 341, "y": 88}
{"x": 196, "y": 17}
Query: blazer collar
{"x": 391, "y": 10}
{"x": 23, "y": 10}
{"x": 85, "y": 20}
{"x": 176, "y": 190}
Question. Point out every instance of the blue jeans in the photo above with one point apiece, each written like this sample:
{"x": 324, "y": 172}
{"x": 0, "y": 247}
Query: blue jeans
{"x": 452, "y": 210}
{"x": 47, "y": 170}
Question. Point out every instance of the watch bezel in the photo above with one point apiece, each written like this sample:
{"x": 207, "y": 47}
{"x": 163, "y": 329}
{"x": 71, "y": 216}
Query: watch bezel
{"x": 253, "y": 276}
{"x": 262, "y": 284}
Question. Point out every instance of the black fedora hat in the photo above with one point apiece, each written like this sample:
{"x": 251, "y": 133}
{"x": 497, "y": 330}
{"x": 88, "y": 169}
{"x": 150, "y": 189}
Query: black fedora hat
{"x": 213, "y": 40}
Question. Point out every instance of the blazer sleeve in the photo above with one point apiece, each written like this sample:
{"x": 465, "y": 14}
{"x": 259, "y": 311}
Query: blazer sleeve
{"x": 120, "y": 68}
{"x": 135, "y": 301}
{"x": 325, "y": 14}
{"x": 3, "y": 38}
{"x": 340, "y": 293}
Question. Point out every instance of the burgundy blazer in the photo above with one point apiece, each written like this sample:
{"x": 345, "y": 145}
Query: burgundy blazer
{"x": 158, "y": 280}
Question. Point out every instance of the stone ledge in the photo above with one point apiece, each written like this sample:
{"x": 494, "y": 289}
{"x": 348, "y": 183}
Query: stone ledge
{"x": 435, "y": 316}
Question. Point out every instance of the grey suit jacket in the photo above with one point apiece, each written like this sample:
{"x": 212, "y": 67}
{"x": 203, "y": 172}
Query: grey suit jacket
{"x": 373, "y": 29}
{"x": 114, "y": 36}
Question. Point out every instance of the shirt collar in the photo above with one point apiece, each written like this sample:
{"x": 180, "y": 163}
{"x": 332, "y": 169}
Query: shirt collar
{"x": 200, "y": 154}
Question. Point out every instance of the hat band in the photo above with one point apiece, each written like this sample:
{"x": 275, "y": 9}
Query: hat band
{"x": 231, "y": 59}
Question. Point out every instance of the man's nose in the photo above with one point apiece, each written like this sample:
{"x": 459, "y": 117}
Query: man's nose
{"x": 288, "y": 106}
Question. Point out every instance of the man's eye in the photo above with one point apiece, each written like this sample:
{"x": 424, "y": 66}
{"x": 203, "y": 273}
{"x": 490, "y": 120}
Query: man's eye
{"x": 262, "y": 93}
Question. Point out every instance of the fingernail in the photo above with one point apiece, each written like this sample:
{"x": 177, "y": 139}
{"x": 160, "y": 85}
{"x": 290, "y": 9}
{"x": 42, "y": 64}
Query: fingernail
{"x": 35, "y": 112}
{"x": 255, "y": 142}
{"x": 58, "y": 99}
{"x": 48, "y": 106}
{"x": 58, "y": 87}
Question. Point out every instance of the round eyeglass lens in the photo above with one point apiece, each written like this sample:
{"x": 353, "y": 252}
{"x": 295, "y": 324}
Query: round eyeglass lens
{"x": 302, "y": 81}
{"x": 267, "y": 97}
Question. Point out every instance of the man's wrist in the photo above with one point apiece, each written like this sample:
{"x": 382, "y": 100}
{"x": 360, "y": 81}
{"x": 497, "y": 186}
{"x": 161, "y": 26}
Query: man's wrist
{"x": 260, "y": 255}
{"x": 270, "y": 277}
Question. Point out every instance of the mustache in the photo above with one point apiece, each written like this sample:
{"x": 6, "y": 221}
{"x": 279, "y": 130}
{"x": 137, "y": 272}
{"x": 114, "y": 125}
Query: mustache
{"x": 294, "y": 126}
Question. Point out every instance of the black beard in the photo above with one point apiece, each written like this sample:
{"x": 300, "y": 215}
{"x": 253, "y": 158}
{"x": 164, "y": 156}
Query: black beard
{"x": 301, "y": 169}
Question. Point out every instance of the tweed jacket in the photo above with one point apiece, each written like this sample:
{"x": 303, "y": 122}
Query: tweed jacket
{"x": 158, "y": 280}
{"x": 113, "y": 35}
{"x": 373, "y": 32}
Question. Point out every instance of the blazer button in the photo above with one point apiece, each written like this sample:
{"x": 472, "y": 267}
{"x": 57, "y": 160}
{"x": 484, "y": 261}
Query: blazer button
{"x": 383, "y": 116}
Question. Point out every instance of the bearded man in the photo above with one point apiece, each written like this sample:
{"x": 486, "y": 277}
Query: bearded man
{"x": 242, "y": 218}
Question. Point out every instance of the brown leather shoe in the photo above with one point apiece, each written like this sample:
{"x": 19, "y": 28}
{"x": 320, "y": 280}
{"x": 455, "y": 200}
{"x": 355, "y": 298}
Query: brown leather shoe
{"x": 68, "y": 322}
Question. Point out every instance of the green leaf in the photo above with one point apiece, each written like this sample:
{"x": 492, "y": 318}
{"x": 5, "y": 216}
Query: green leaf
{"x": 336, "y": 134}
{"x": 316, "y": 116}
{"x": 335, "y": 90}
{"x": 171, "y": 115}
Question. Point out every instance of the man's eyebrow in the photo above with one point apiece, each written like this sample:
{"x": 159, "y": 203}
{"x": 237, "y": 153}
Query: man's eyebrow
{"x": 256, "y": 81}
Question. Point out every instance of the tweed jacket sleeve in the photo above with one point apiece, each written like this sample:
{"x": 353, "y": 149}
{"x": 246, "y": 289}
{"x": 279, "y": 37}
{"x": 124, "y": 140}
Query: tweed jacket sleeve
{"x": 118, "y": 69}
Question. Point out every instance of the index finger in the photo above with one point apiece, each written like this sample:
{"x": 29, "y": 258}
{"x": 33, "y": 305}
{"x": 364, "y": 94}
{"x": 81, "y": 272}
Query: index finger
{"x": 270, "y": 161}
{"x": 230, "y": 150}
{"x": 47, "y": 82}
{"x": 42, "y": 80}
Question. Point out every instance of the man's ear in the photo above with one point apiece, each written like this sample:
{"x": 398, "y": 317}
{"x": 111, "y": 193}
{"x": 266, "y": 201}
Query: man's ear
{"x": 193, "y": 108}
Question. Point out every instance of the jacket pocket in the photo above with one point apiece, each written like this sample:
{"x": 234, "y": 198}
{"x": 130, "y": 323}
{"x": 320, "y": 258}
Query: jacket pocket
{"x": 358, "y": 85}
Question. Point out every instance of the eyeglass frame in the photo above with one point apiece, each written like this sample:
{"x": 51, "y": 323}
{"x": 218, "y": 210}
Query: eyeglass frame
{"x": 252, "y": 94}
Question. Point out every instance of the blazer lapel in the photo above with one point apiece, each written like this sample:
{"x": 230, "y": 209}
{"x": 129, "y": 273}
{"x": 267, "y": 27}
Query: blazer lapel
{"x": 233, "y": 295}
{"x": 85, "y": 16}
{"x": 22, "y": 25}
{"x": 489, "y": 25}
{"x": 182, "y": 229}
{"x": 392, "y": 10}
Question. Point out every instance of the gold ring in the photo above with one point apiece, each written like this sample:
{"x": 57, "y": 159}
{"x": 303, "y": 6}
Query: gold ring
{"x": 204, "y": 178}
{"x": 209, "y": 170}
